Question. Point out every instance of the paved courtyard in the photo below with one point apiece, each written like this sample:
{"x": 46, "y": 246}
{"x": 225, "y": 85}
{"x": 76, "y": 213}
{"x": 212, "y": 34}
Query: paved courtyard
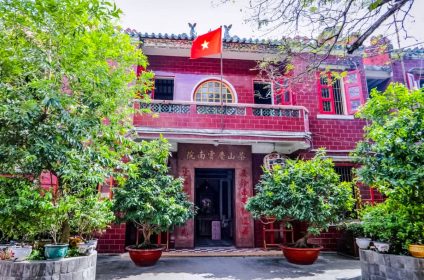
{"x": 329, "y": 266}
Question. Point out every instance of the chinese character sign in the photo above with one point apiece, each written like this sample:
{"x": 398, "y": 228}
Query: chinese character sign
{"x": 212, "y": 155}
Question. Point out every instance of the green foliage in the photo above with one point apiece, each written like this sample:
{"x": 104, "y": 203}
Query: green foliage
{"x": 308, "y": 191}
{"x": 72, "y": 252}
{"x": 23, "y": 209}
{"x": 151, "y": 198}
{"x": 67, "y": 81}
{"x": 392, "y": 154}
{"x": 354, "y": 226}
{"x": 379, "y": 223}
{"x": 392, "y": 160}
{"x": 36, "y": 255}
{"x": 398, "y": 224}
{"x": 91, "y": 216}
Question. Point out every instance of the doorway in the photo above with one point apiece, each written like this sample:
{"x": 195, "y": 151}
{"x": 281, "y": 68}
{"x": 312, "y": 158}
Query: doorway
{"x": 214, "y": 197}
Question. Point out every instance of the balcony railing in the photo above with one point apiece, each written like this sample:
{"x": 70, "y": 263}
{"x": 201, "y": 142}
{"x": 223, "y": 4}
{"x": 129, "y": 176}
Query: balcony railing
{"x": 183, "y": 114}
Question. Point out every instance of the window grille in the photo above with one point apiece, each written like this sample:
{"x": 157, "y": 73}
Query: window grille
{"x": 345, "y": 173}
{"x": 164, "y": 89}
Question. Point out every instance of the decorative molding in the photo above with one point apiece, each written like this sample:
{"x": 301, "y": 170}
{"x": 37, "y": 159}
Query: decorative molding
{"x": 166, "y": 108}
{"x": 269, "y": 112}
{"x": 219, "y": 132}
{"x": 221, "y": 110}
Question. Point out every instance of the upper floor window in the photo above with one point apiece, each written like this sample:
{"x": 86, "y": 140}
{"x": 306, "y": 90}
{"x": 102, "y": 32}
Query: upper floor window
{"x": 339, "y": 96}
{"x": 282, "y": 91}
{"x": 262, "y": 92}
{"x": 164, "y": 89}
{"x": 210, "y": 91}
{"x": 414, "y": 82}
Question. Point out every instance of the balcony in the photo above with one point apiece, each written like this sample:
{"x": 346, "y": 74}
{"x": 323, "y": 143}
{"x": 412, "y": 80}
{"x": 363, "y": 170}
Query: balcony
{"x": 240, "y": 121}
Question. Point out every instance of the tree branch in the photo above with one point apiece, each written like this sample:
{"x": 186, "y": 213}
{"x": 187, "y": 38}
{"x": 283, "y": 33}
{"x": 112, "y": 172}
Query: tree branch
{"x": 361, "y": 39}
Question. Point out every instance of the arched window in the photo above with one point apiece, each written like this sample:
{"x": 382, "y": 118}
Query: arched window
{"x": 209, "y": 91}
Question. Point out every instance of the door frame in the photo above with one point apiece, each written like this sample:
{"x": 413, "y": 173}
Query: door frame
{"x": 231, "y": 202}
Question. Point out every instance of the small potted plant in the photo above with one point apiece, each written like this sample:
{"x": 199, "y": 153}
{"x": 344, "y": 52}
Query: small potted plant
{"x": 22, "y": 209}
{"x": 352, "y": 238}
{"x": 381, "y": 224}
{"x": 357, "y": 230}
{"x": 416, "y": 249}
{"x": 151, "y": 199}
{"x": 307, "y": 191}
{"x": 57, "y": 225}
{"x": 91, "y": 216}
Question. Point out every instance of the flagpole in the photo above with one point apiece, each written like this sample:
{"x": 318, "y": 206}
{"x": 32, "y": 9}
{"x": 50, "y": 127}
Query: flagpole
{"x": 222, "y": 99}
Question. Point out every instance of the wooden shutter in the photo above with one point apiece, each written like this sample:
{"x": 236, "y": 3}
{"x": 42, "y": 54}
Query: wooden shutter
{"x": 353, "y": 91}
{"x": 325, "y": 93}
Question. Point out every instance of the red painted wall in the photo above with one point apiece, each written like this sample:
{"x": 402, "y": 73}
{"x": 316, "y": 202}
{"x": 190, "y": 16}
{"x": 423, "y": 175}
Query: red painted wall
{"x": 190, "y": 72}
{"x": 409, "y": 64}
{"x": 332, "y": 134}
{"x": 113, "y": 240}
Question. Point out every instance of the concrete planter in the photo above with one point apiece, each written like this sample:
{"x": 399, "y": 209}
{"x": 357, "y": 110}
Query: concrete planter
{"x": 386, "y": 266}
{"x": 81, "y": 268}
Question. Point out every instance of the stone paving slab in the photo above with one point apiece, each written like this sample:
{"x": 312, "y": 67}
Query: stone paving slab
{"x": 327, "y": 267}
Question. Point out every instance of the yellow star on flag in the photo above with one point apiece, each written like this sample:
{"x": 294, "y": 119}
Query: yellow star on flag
{"x": 205, "y": 45}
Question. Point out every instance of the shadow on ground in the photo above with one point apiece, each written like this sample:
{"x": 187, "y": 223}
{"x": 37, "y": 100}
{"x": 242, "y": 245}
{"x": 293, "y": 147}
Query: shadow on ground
{"x": 235, "y": 268}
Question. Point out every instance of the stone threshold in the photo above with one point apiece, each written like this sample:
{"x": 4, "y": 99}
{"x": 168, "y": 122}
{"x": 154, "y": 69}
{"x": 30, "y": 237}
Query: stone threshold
{"x": 218, "y": 252}
{"x": 221, "y": 252}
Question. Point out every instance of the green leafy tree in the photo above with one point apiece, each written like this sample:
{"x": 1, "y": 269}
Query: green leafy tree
{"x": 392, "y": 153}
{"x": 67, "y": 81}
{"x": 307, "y": 191}
{"x": 392, "y": 161}
{"x": 151, "y": 198}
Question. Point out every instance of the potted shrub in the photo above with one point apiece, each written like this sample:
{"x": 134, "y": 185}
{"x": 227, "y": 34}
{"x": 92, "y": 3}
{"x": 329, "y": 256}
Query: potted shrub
{"x": 352, "y": 238}
{"x": 393, "y": 225}
{"x": 57, "y": 225}
{"x": 91, "y": 216}
{"x": 307, "y": 191}
{"x": 417, "y": 249}
{"x": 357, "y": 230}
{"x": 381, "y": 224}
{"x": 152, "y": 199}
{"x": 22, "y": 211}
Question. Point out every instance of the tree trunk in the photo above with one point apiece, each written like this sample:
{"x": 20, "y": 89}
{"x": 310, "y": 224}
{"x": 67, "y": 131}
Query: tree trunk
{"x": 147, "y": 232}
{"x": 302, "y": 242}
{"x": 65, "y": 232}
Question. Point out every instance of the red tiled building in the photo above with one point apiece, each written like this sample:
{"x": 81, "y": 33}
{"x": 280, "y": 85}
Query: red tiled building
{"x": 219, "y": 147}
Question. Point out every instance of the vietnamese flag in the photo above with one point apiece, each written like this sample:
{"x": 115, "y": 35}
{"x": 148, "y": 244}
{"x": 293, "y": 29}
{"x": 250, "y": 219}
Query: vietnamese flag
{"x": 207, "y": 44}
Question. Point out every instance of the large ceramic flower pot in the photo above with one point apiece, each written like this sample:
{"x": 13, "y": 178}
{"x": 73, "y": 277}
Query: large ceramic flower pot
{"x": 93, "y": 242}
{"x": 416, "y": 250}
{"x": 144, "y": 257}
{"x": 85, "y": 249}
{"x": 301, "y": 255}
{"x": 20, "y": 253}
{"x": 382, "y": 247}
{"x": 55, "y": 251}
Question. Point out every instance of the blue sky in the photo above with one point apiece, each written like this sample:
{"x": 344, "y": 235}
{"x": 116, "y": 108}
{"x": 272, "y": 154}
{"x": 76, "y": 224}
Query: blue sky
{"x": 172, "y": 16}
